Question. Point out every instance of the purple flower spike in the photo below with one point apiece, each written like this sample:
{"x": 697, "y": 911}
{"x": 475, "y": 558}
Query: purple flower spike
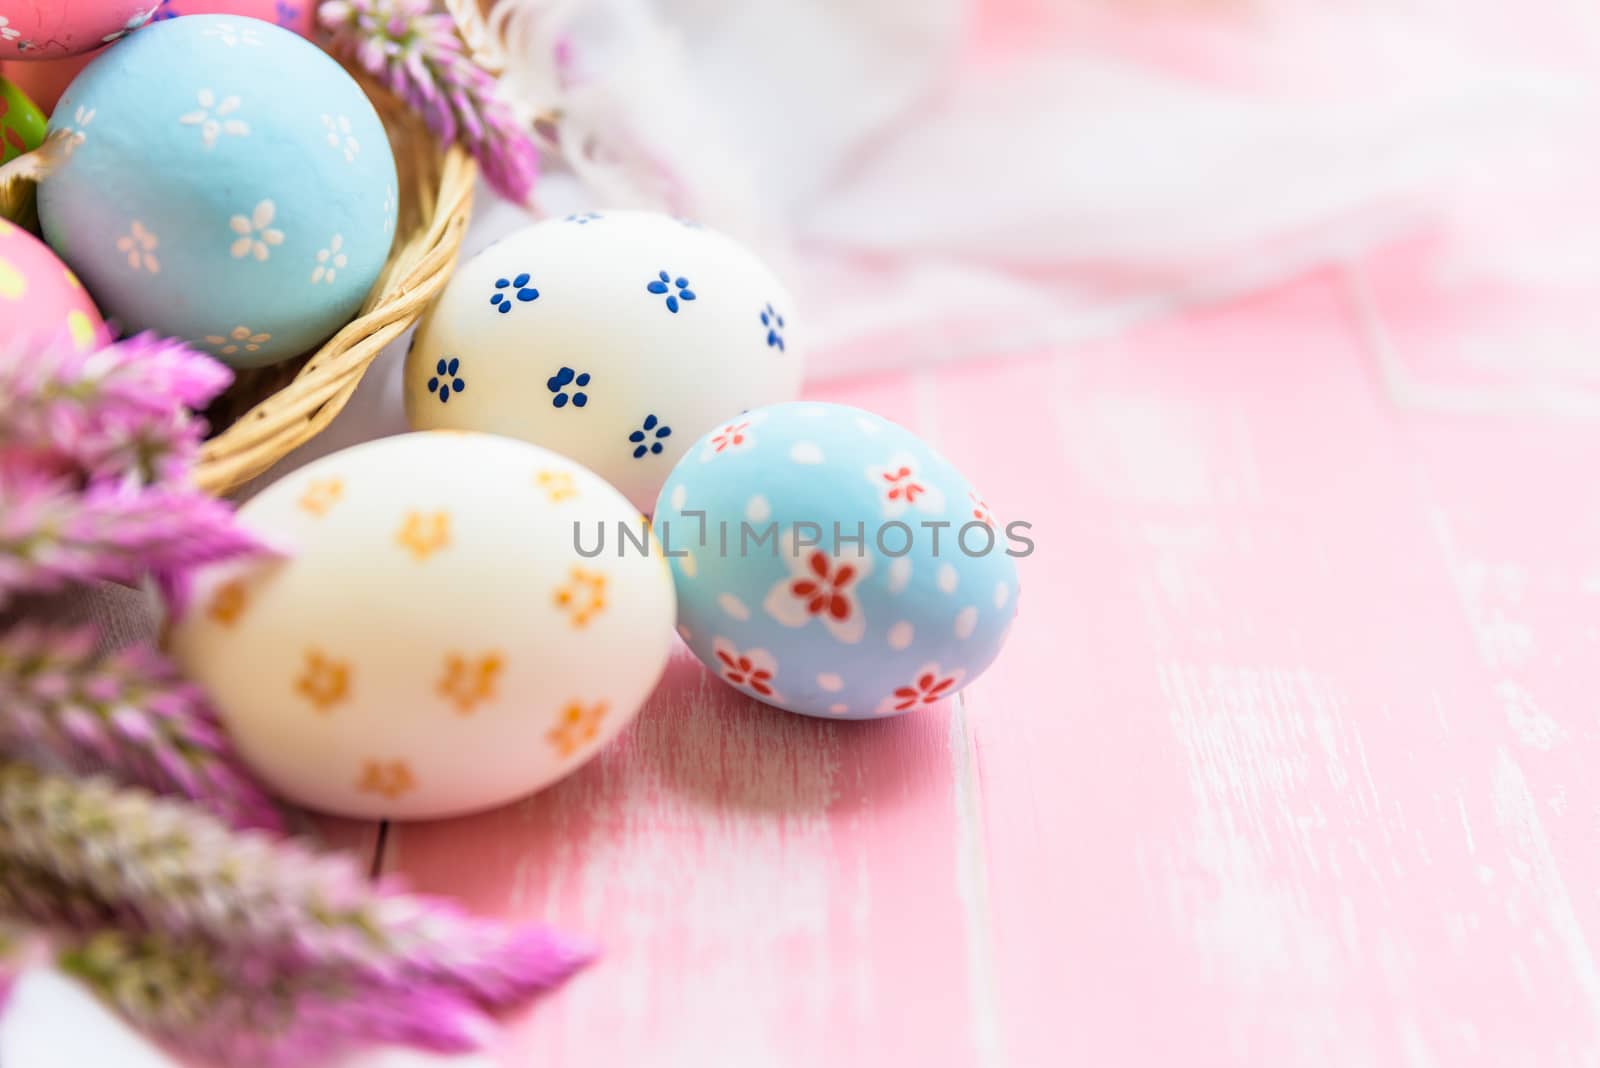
{"x": 126, "y": 712}
{"x": 418, "y": 53}
{"x": 223, "y": 1005}
{"x": 105, "y": 414}
{"x": 52, "y": 536}
{"x": 230, "y": 915}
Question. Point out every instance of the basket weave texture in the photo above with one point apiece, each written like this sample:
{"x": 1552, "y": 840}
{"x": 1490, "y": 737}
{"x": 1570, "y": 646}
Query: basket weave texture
{"x": 270, "y": 411}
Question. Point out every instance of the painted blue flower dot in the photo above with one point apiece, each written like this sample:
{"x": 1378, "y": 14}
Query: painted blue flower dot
{"x": 774, "y": 324}
{"x": 643, "y": 445}
{"x": 525, "y": 293}
{"x": 584, "y": 218}
{"x": 559, "y": 383}
{"x": 663, "y": 286}
{"x": 446, "y": 380}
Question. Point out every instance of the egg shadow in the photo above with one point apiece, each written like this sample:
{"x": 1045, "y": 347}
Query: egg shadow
{"x": 706, "y": 742}
{"x": 698, "y": 749}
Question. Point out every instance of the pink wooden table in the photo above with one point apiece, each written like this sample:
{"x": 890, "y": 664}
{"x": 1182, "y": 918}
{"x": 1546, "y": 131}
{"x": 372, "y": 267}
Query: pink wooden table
{"x": 1289, "y": 759}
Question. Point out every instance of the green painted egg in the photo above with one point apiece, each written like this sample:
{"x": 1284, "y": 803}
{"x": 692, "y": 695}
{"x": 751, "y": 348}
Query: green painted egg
{"x": 22, "y": 124}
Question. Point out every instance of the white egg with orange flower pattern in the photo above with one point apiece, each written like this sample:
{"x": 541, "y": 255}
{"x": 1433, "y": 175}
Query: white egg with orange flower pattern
{"x": 431, "y": 642}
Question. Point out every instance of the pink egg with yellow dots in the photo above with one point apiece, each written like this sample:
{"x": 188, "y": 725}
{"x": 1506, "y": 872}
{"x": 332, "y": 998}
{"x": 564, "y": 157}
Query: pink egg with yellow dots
{"x": 40, "y": 298}
{"x": 45, "y": 79}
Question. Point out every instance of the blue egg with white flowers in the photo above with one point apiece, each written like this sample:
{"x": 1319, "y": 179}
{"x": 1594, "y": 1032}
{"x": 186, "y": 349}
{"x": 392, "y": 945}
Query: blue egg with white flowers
{"x": 831, "y": 563}
{"x": 223, "y": 181}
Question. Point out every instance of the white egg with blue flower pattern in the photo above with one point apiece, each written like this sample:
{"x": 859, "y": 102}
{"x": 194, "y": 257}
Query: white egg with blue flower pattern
{"x": 224, "y": 181}
{"x": 831, "y": 563}
{"x": 615, "y": 338}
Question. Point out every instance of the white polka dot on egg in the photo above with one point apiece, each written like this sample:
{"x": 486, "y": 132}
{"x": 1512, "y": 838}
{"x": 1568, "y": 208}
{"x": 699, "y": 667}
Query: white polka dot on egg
{"x": 806, "y": 452}
{"x": 901, "y": 635}
{"x": 899, "y": 574}
{"x": 734, "y": 607}
{"x": 966, "y": 621}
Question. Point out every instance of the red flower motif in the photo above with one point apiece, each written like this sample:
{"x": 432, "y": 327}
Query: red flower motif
{"x": 741, "y": 672}
{"x": 980, "y": 510}
{"x": 903, "y": 485}
{"x": 930, "y": 689}
{"x": 825, "y": 593}
{"x": 730, "y": 436}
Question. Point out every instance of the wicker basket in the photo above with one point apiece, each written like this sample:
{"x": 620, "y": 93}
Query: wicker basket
{"x": 272, "y": 410}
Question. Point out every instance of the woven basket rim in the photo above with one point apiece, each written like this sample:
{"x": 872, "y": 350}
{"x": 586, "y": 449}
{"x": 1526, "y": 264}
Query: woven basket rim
{"x": 436, "y": 193}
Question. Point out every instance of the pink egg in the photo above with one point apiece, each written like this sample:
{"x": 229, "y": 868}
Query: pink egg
{"x": 296, "y": 15}
{"x": 44, "y": 80}
{"x": 50, "y": 29}
{"x": 39, "y": 296}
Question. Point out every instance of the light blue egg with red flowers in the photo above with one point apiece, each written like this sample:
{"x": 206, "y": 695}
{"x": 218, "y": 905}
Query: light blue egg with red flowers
{"x": 831, "y": 563}
{"x": 225, "y": 182}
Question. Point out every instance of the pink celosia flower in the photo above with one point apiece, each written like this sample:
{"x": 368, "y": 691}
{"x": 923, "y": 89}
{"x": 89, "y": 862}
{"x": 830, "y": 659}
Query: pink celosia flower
{"x": 52, "y": 536}
{"x": 225, "y": 1005}
{"x": 235, "y": 944}
{"x": 119, "y": 411}
{"x": 127, "y": 713}
{"x": 185, "y": 874}
{"x": 418, "y": 54}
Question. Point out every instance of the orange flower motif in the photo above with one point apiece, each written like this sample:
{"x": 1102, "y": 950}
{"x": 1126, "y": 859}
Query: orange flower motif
{"x": 325, "y": 682}
{"x": 423, "y": 535}
{"x": 469, "y": 683}
{"x": 320, "y": 496}
{"x": 583, "y": 597}
{"x": 577, "y": 726}
{"x": 557, "y": 485}
{"x": 227, "y": 603}
{"x": 391, "y": 779}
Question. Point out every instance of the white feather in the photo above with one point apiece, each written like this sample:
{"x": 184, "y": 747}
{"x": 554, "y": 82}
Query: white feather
{"x": 630, "y": 122}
